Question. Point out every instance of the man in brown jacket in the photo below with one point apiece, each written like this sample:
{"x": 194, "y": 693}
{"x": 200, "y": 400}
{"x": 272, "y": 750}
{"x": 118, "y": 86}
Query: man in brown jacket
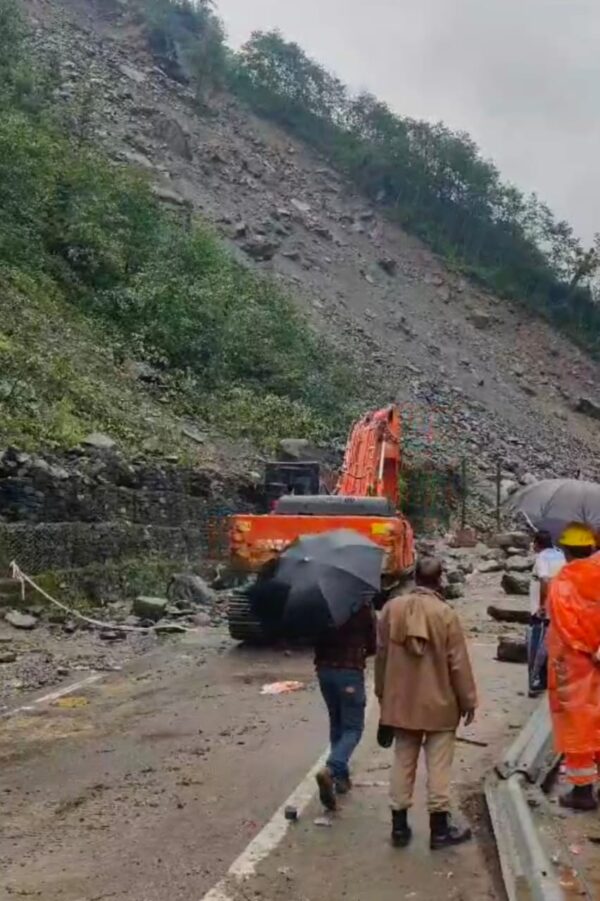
{"x": 425, "y": 684}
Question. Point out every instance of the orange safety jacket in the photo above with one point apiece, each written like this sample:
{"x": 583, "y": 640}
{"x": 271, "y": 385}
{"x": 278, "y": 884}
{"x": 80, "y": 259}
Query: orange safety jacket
{"x": 574, "y": 657}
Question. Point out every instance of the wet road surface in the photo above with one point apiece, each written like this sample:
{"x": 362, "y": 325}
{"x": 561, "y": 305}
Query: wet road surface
{"x": 148, "y": 784}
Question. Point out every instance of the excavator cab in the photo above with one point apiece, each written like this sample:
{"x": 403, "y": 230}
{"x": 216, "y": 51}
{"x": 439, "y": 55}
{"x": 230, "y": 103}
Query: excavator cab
{"x": 294, "y": 479}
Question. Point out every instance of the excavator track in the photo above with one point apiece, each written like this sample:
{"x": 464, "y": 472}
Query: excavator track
{"x": 243, "y": 624}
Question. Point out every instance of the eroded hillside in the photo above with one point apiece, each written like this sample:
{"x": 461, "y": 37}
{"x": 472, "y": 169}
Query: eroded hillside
{"x": 479, "y": 374}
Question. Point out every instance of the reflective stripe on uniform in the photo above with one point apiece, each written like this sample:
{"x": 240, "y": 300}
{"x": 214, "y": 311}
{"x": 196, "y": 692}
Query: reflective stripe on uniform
{"x": 583, "y": 772}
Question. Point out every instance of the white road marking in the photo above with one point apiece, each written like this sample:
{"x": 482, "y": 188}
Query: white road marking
{"x": 54, "y": 695}
{"x": 272, "y": 834}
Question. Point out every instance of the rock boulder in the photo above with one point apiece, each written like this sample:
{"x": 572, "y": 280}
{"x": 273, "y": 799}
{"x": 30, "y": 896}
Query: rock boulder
{"x": 20, "y": 620}
{"x": 188, "y": 588}
{"x": 515, "y": 583}
{"x": 453, "y": 591}
{"x": 588, "y": 407}
{"x": 150, "y": 608}
{"x": 505, "y": 540}
{"x": 519, "y": 564}
{"x": 489, "y": 566}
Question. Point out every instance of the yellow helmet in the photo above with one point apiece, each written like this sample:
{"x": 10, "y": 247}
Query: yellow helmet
{"x": 577, "y": 535}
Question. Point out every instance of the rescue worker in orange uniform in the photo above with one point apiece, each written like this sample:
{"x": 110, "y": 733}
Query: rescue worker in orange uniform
{"x": 574, "y": 665}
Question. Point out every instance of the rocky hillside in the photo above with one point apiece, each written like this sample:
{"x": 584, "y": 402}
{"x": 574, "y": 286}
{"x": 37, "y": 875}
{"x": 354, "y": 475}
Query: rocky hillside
{"x": 478, "y": 376}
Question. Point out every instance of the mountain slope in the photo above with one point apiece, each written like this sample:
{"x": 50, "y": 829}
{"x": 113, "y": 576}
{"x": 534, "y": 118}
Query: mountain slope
{"x": 479, "y": 376}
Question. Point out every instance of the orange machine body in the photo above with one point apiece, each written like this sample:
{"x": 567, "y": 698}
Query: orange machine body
{"x": 257, "y": 539}
{"x": 371, "y": 468}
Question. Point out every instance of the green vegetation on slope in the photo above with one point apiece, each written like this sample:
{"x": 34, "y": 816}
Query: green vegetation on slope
{"x": 76, "y": 230}
{"x": 430, "y": 179}
{"x": 433, "y": 181}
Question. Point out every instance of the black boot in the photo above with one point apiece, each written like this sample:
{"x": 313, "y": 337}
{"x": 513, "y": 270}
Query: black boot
{"x": 401, "y": 831}
{"x": 326, "y": 784}
{"x": 581, "y": 797}
{"x": 343, "y": 785}
{"x": 444, "y": 834}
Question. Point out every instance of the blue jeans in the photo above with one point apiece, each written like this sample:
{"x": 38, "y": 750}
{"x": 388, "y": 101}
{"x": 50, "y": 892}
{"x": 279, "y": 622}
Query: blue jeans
{"x": 537, "y": 655}
{"x": 344, "y": 694}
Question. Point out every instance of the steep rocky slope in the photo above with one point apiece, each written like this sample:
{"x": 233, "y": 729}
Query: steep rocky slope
{"x": 478, "y": 376}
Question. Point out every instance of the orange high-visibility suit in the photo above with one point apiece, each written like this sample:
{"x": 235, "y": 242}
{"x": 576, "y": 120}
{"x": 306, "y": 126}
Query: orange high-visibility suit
{"x": 574, "y": 667}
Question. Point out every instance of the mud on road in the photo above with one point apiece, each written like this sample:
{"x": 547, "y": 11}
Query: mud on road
{"x": 147, "y": 784}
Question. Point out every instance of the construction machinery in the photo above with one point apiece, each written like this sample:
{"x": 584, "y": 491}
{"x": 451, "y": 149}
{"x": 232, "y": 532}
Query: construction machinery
{"x": 365, "y": 498}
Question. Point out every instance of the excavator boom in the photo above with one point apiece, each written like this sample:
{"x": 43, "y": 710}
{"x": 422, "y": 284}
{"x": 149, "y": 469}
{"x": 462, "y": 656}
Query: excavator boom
{"x": 372, "y": 459}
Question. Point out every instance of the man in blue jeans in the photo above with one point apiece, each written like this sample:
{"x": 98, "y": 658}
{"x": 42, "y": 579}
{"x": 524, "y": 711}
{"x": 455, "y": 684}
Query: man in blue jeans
{"x": 340, "y": 660}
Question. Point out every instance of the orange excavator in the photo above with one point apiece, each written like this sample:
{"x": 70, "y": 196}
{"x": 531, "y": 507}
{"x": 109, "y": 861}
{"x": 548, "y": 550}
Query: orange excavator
{"x": 366, "y": 498}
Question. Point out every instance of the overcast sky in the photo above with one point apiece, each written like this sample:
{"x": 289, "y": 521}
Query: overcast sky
{"x": 521, "y": 76}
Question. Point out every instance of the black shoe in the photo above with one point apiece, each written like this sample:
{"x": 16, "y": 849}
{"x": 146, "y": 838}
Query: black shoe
{"x": 444, "y": 834}
{"x": 326, "y": 789}
{"x": 343, "y": 786}
{"x": 580, "y": 798}
{"x": 401, "y": 831}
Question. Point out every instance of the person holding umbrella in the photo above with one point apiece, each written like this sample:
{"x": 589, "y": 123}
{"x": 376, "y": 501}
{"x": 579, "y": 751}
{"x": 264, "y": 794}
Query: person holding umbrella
{"x": 324, "y": 585}
{"x": 574, "y": 665}
{"x": 340, "y": 660}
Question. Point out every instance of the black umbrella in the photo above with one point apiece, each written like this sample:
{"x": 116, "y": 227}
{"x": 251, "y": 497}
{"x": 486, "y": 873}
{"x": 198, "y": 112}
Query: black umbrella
{"x": 329, "y": 577}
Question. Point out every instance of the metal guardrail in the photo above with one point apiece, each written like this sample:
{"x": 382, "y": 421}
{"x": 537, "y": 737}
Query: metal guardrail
{"x": 531, "y": 753}
{"x": 526, "y": 868}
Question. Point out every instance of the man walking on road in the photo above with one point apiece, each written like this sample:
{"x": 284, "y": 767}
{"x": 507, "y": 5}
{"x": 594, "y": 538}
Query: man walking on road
{"x": 340, "y": 660}
{"x": 425, "y": 684}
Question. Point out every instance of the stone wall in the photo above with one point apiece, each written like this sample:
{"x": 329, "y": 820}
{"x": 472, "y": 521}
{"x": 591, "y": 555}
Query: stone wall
{"x": 94, "y": 507}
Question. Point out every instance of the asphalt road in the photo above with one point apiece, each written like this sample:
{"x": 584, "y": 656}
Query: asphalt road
{"x": 148, "y": 784}
{"x": 156, "y": 778}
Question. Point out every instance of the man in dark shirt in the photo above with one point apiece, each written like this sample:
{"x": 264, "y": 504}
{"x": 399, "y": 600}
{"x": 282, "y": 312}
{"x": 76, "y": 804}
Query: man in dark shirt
{"x": 340, "y": 660}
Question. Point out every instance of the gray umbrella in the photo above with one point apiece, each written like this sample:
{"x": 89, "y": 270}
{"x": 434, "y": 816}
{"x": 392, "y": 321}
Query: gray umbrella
{"x": 553, "y": 504}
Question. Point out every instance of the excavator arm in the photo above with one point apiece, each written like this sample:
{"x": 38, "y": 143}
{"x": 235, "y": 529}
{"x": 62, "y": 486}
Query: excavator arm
{"x": 373, "y": 457}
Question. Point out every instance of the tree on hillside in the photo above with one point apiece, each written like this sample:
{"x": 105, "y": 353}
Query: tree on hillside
{"x": 431, "y": 179}
{"x": 188, "y": 38}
